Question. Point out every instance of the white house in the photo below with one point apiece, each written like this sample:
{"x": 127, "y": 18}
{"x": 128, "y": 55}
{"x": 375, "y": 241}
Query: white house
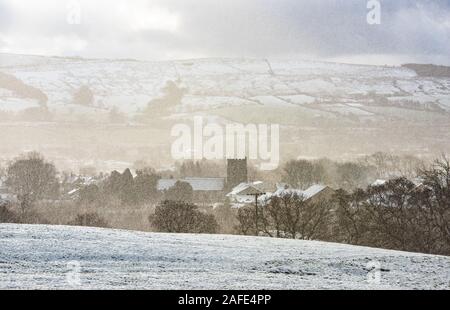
{"x": 239, "y": 197}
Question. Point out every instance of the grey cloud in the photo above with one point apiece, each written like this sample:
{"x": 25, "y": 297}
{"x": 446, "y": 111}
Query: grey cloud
{"x": 323, "y": 28}
{"x": 5, "y": 16}
{"x": 264, "y": 28}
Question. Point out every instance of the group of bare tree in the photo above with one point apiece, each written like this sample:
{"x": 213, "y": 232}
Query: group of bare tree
{"x": 126, "y": 189}
{"x": 397, "y": 215}
{"x": 410, "y": 216}
{"x": 288, "y": 215}
{"x": 400, "y": 214}
{"x": 403, "y": 214}
{"x": 31, "y": 178}
{"x": 182, "y": 217}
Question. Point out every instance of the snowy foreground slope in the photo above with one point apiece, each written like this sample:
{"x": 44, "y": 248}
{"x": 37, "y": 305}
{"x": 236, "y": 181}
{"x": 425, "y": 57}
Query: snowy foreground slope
{"x": 41, "y": 257}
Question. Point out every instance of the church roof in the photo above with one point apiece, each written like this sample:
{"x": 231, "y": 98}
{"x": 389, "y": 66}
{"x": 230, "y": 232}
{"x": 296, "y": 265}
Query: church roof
{"x": 197, "y": 184}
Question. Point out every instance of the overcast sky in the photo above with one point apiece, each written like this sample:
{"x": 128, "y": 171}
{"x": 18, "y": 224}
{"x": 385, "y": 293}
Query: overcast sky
{"x": 410, "y": 30}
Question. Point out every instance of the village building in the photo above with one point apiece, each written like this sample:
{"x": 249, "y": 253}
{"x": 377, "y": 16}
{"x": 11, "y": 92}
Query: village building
{"x": 72, "y": 185}
{"x": 206, "y": 190}
{"x": 244, "y": 194}
{"x": 317, "y": 193}
{"x": 212, "y": 189}
{"x": 238, "y": 190}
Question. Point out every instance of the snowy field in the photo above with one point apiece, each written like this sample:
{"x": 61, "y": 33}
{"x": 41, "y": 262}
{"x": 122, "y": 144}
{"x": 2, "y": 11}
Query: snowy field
{"x": 48, "y": 257}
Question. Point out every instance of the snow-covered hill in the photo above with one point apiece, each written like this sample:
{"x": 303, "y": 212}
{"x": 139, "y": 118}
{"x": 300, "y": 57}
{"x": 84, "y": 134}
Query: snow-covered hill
{"x": 69, "y": 108}
{"x": 45, "y": 257}
{"x": 130, "y": 85}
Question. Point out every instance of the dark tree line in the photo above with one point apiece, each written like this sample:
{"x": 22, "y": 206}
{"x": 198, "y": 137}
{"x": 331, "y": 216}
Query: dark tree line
{"x": 397, "y": 215}
{"x": 350, "y": 175}
{"x": 127, "y": 189}
{"x": 400, "y": 214}
{"x": 287, "y": 216}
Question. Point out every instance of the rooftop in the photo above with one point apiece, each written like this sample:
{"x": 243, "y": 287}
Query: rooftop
{"x": 198, "y": 184}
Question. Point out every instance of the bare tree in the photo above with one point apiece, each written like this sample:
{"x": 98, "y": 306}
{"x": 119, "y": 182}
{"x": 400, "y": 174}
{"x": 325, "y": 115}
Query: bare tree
{"x": 350, "y": 215}
{"x": 246, "y": 219}
{"x": 272, "y": 221}
{"x": 291, "y": 211}
{"x": 315, "y": 220}
{"x": 288, "y": 215}
{"x": 182, "y": 217}
{"x": 390, "y": 209}
{"x": 303, "y": 173}
{"x": 401, "y": 216}
{"x": 31, "y": 178}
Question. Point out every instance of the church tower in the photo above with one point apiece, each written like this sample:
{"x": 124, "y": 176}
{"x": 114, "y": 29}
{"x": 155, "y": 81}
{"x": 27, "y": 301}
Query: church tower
{"x": 237, "y": 172}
